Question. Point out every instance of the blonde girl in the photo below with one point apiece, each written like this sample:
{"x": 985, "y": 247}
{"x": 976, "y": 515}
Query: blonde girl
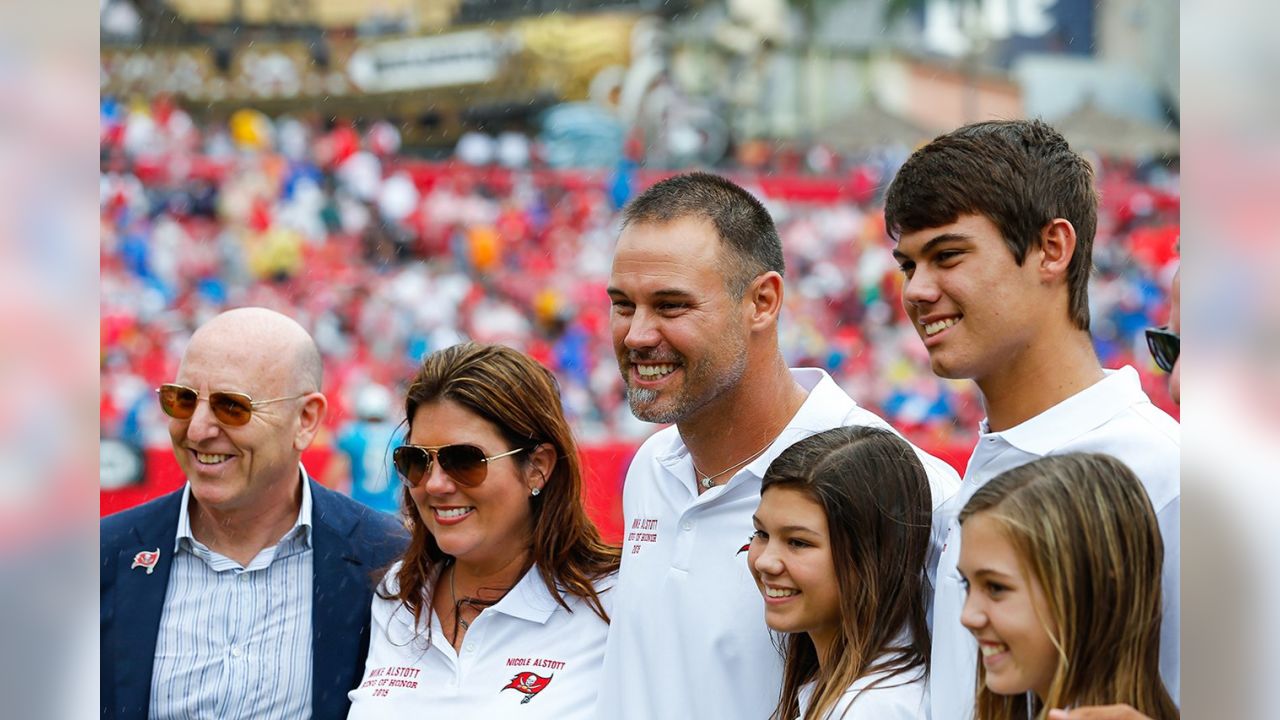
{"x": 1061, "y": 559}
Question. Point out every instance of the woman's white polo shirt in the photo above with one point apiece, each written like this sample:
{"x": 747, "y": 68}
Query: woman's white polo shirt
{"x": 525, "y": 657}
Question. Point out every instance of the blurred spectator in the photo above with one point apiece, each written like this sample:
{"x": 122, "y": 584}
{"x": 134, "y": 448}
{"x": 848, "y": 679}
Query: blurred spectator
{"x": 364, "y": 452}
{"x": 120, "y": 21}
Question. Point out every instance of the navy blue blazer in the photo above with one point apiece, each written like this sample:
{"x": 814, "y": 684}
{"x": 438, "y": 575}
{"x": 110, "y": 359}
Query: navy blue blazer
{"x": 349, "y": 541}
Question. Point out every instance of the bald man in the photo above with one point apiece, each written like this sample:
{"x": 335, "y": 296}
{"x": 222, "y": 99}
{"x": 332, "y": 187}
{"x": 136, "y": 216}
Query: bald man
{"x": 247, "y": 592}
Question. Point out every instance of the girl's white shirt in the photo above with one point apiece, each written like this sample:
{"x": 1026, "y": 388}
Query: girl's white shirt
{"x": 903, "y": 697}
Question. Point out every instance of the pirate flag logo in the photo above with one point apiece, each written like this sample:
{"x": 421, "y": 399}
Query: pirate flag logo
{"x": 146, "y": 559}
{"x": 528, "y": 683}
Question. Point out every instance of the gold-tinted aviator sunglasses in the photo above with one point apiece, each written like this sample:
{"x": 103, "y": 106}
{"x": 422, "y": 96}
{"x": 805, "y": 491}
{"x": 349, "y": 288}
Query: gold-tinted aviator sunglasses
{"x": 466, "y": 464}
{"x": 231, "y": 408}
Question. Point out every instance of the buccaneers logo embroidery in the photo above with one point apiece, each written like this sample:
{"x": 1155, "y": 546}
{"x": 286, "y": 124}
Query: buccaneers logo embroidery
{"x": 528, "y": 683}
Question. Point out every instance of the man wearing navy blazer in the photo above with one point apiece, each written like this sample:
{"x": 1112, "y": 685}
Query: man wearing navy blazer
{"x": 247, "y": 592}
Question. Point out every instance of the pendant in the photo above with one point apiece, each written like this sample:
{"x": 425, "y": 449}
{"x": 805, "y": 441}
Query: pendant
{"x": 706, "y": 483}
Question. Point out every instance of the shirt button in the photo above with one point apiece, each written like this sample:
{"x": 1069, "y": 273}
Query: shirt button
{"x": 688, "y": 526}
{"x": 236, "y": 652}
{"x": 470, "y": 647}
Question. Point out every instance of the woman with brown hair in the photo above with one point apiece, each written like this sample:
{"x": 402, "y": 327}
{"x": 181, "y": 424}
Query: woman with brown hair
{"x": 1061, "y": 559}
{"x": 500, "y": 599}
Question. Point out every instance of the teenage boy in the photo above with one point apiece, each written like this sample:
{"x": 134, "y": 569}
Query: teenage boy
{"x": 994, "y": 224}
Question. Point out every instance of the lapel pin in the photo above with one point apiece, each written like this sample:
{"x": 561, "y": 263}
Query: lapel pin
{"x": 146, "y": 559}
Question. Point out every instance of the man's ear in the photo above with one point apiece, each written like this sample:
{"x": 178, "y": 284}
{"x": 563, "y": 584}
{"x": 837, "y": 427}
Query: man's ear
{"x": 542, "y": 460}
{"x": 765, "y": 296}
{"x": 311, "y": 416}
{"x": 1057, "y": 247}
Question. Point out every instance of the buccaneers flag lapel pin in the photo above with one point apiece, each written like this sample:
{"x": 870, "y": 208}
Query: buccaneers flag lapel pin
{"x": 146, "y": 559}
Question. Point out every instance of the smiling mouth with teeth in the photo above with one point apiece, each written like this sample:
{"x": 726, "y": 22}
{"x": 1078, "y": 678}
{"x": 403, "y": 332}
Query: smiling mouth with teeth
{"x": 780, "y": 592}
{"x": 210, "y": 458}
{"x": 452, "y": 513}
{"x": 989, "y": 649}
{"x": 655, "y": 371}
{"x": 934, "y": 328}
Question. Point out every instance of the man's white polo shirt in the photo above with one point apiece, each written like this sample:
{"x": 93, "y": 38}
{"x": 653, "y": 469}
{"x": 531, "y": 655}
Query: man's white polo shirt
{"x": 1112, "y": 416}
{"x": 688, "y": 638}
{"x": 525, "y": 657}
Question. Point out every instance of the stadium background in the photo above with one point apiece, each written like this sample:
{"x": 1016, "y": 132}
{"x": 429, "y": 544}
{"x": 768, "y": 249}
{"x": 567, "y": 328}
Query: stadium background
{"x": 401, "y": 175}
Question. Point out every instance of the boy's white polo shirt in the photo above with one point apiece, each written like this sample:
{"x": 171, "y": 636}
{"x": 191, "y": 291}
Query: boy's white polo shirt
{"x": 525, "y": 657}
{"x": 1113, "y": 416}
{"x": 688, "y": 638}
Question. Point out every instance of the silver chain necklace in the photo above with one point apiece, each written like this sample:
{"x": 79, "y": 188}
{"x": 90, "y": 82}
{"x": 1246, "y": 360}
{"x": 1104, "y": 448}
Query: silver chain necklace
{"x": 708, "y": 481}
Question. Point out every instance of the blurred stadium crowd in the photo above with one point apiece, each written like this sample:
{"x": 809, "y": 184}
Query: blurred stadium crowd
{"x": 385, "y": 257}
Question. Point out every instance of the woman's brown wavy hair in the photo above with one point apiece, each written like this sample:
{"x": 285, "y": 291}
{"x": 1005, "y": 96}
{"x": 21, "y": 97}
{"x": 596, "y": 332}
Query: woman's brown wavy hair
{"x": 522, "y": 400}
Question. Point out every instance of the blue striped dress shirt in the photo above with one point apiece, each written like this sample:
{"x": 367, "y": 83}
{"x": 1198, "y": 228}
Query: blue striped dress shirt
{"x": 235, "y": 642}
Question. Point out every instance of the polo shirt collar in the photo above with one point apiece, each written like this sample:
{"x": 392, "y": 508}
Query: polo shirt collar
{"x": 301, "y": 526}
{"x": 1083, "y": 412}
{"x": 825, "y": 406}
{"x": 529, "y": 599}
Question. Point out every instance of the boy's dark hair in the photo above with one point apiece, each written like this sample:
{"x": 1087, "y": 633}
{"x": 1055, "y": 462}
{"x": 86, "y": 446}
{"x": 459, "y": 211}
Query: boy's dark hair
{"x": 1019, "y": 174}
{"x": 745, "y": 228}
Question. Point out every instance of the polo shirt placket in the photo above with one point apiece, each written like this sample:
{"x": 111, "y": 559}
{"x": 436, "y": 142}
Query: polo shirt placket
{"x": 526, "y": 635}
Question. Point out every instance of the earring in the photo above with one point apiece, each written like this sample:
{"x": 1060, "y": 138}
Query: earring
{"x": 535, "y": 492}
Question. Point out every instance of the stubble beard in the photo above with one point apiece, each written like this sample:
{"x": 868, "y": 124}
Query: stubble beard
{"x": 704, "y": 382}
